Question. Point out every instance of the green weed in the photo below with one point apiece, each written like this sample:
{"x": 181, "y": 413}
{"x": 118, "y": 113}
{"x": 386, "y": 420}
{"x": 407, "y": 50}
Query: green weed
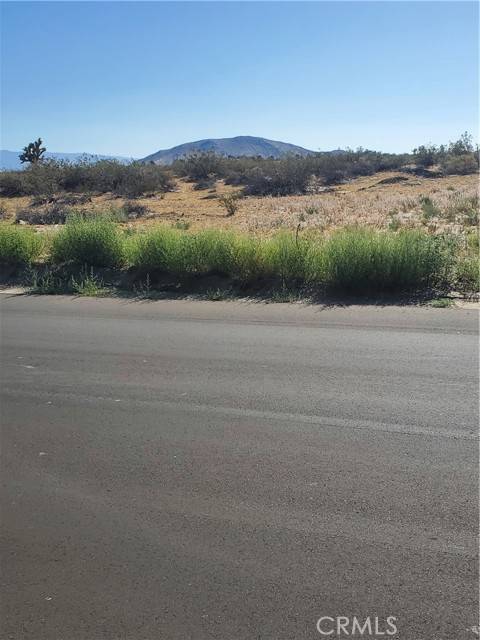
{"x": 45, "y": 283}
{"x": 88, "y": 284}
{"x": 467, "y": 275}
{"x": 429, "y": 209}
{"x": 19, "y": 246}
{"x": 93, "y": 241}
{"x": 441, "y": 303}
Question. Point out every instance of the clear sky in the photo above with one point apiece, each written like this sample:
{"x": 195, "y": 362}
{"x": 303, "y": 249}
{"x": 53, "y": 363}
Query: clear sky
{"x": 130, "y": 78}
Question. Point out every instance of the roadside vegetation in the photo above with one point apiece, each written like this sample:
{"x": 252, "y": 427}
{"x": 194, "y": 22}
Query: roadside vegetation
{"x": 19, "y": 246}
{"x": 354, "y": 260}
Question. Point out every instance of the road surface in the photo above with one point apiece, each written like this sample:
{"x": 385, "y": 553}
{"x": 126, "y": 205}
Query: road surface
{"x": 204, "y": 470}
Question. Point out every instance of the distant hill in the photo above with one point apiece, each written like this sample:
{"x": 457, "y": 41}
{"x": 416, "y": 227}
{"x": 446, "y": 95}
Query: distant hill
{"x": 235, "y": 147}
{"x": 9, "y": 159}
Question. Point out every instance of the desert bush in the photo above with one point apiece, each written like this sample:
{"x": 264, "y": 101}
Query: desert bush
{"x": 137, "y": 179}
{"x": 287, "y": 175}
{"x": 426, "y": 155}
{"x": 12, "y": 184}
{"x": 465, "y": 207}
{"x": 43, "y": 178}
{"x": 467, "y": 275}
{"x": 230, "y": 202}
{"x": 49, "y": 177}
{"x": 458, "y": 157}
{"x": 19, "y": 246}
{"x": 205, "y": 183}
{"x": 462, "y": 146}
{"x": 295, "y": 175}
{"x": 53, "y": 214}
{"x": 72, "y": 199}
{"x": 199, "y": 166}
{"x": 459, "y": 165}
{"x": 429, "y": 209}
{"x": 89, "y": 240}
{"x": 134, "y": 210}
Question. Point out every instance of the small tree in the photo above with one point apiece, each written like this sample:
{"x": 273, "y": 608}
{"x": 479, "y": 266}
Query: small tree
{"x": 425, "y": 155}
{"x": 33, "y": 152}
{"x": 461, "y": 146}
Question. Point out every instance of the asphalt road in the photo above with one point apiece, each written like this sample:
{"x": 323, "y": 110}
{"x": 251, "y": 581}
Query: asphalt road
{"x": 176, "y": 470}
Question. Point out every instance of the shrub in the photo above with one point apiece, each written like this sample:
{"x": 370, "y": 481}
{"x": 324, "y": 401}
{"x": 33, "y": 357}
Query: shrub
{"x": 459, "y": 165}
{"x": 54, "y": 214}
{"x": 429, "y": 209}
{"x": 199, "y": 166}
{"x": 205, "y": 183}
{"x": 466, "y": 207}
{"x": 467, "y": 275}
{"x": 43, "y": 179}
{"x": 287, "y": 175}
{"x": 91, "y": 240}
{"x": 19, "y": 246}
{"x": 48, "y": 177}
{"x": 230, "y": 202}
{"x": 278, "y": 177}
{"x": 134, "y": 210}
{"x": 138, "y": 179}
{"x": 462, "y": 146}
{"x": 12, "y": 183}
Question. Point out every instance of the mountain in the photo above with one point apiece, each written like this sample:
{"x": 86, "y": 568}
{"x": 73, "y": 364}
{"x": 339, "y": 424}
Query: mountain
{"x": 9, "y": 159}
{"x": 238, "y": 146}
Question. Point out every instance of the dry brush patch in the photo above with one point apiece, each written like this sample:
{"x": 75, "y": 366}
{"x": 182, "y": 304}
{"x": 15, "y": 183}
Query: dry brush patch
{"x": 367, "y": 202}
{"x": 384, "y": 200}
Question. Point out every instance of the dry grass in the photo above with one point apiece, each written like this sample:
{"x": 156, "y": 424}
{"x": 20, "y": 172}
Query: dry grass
{"x": 363, "y": 201}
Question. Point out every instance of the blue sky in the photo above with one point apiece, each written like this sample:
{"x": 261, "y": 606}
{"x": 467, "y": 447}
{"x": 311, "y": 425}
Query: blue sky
{"x": 129, "y": 78}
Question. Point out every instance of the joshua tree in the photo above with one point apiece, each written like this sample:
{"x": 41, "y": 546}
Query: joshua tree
{"x": 33, "y": 152}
